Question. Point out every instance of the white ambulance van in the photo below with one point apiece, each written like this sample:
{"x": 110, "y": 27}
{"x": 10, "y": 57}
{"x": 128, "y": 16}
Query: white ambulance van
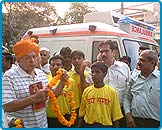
{"x": 128, "y": 34}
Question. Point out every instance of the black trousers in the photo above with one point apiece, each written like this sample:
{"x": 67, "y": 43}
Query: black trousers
{"x": 96, "y": 125}
{"x": 146, "y": 123}
{"x": 54, "y": 122}
{"x": 122, "y": 122}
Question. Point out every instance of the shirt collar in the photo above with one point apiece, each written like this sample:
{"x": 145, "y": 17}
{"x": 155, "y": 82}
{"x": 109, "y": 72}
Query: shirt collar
{"x": 73, "y": 70}
{"x": 116, "y": 63}
{"x": 135, "y": 74}
{"x": 155, "y": 72}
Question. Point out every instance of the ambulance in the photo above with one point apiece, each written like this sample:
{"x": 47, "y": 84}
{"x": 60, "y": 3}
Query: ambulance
{"x": 128, "y": 34}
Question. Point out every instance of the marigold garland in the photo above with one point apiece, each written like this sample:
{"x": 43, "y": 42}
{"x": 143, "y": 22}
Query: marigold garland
{"x": 18, "y": 123}
{"x": 55, "y": 106}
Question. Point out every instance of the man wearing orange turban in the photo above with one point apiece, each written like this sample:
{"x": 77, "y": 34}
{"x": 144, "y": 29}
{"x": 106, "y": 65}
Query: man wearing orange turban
{"x": 18, "y": 83}
{"x": 24, "y": 47}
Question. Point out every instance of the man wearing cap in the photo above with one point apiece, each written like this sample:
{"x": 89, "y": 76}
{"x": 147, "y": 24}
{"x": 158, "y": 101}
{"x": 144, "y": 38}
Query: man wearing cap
{"x": 7, "y": 61}
{"x": 16, "y": 98}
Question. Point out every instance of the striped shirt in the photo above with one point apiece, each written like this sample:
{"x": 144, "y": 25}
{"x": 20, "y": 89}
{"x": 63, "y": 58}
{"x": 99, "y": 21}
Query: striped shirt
{"x": 15, "y": 86}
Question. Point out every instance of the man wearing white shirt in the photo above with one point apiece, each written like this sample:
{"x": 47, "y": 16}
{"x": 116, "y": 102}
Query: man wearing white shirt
{"x": 45, "y": 55}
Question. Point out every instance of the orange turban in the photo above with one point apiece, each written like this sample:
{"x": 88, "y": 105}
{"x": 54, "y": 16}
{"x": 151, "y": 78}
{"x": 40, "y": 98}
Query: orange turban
{"x": 23, "y": 47}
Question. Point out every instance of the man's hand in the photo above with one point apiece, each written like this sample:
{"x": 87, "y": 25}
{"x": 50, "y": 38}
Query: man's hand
{"x": 84, "y": 64}
{"x": 40, "y": 96}
{"x": 64, "y": 77}
{"x": 130, "y": 123}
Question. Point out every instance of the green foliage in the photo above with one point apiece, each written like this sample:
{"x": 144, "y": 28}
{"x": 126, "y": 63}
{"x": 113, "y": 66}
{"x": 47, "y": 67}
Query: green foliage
{"x": 22, "y": 16}
{"x": 76, "y": 12}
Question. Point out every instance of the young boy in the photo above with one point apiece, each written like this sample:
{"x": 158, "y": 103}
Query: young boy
{"x": 100, "y": 105}
{"x": 57, "y": 62}
{"x": 79, "y": 74}
{"x": 65, "y": 52}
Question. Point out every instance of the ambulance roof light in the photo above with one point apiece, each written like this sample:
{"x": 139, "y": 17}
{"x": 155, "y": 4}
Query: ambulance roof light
{"x": 92, "y": 28}
{"x": 53, "y": 31}
{"x": 30, "y": 33}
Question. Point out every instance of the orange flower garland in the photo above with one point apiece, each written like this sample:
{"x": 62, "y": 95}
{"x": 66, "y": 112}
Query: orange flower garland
{"x": 55, "y": 106}
{"x": 18, "y": 123}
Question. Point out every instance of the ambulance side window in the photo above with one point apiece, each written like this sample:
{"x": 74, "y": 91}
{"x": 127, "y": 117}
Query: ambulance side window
{"x": 117, "y": 55}
{"x": 144, "y": 46}
{"x": 132, "y": 48}
{"x": 95, "y": 51}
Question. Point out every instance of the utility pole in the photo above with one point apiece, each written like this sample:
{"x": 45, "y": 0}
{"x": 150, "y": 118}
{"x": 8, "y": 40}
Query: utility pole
{"x": 122, "y": 8}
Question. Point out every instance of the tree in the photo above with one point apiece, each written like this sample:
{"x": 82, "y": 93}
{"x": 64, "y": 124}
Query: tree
{"x": 76, "y": 13}
{"x": 21, "y": 16}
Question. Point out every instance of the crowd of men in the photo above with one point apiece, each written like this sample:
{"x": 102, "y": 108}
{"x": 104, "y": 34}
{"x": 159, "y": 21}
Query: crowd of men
{"x": 107, "y": 93}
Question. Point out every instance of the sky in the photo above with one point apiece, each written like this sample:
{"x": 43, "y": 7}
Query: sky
{"x": 63, "y": 7}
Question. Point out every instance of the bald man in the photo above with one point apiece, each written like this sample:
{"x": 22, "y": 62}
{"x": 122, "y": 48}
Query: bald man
{"x": 142, "y": 101}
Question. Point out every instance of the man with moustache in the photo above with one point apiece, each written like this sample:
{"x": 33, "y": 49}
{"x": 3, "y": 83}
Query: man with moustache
{"x": 142, "y": 101}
